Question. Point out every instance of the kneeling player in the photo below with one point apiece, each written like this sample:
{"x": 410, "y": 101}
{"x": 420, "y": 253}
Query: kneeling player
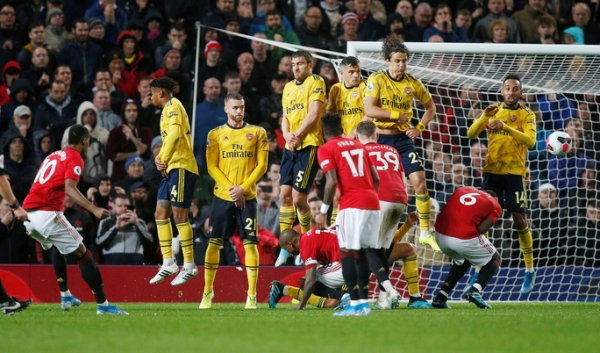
{"x": 320, "y": 251}
{"x": 460, "y": 226}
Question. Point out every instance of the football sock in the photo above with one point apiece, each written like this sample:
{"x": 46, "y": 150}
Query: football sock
{"x": 526, "y": 243}
{"x": 304, "y": 220}
{"x": 411, "y": 273}
{"x": 334, "y": 213}
{"x": 91, "y": 275}
{"x": 423, "y": 204}
{"x": 455, "y": 274}
{"x": 4, "y": 297}
{"x": 297, "y": 293}
{"x": 165, "y": 238}
{"x": 211, "y": 263}
{"x": 186, "y": 237}
{"x": 362, "y": 274}
{"x": 349, "y": 273}
{"x": 322, "y": 290}
{"x": 252, "y": 261}
{"x": 488, "y": 271}
{"x": 60, "y": 269}
{"x": 378, "y": 264}
{"x": 287, "y": 216}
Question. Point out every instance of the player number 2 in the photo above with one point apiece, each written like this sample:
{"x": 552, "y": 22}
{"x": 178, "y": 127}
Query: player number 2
{"x": 415, "y": 159}
{"x": 249, "y": 224}
{"x": 385, "y": 160}
{"x": 46, "y": 171}
{"x": 356, "y": 169}
{"x": 469, "y": 199}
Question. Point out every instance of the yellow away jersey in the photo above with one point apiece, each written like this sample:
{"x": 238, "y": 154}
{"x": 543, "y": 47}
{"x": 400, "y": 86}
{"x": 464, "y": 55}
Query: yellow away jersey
{"x": 295, "y": 99}
{"x": 505, "y": 154}
{"x": 349, "y": 103}
{"x": 396, "y": 95}
{"x": 237, "y": 152}
{"x": 176, "y": 150}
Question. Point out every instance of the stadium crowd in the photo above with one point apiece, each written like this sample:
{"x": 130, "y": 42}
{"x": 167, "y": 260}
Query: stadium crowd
{"x": 91, "y": 62}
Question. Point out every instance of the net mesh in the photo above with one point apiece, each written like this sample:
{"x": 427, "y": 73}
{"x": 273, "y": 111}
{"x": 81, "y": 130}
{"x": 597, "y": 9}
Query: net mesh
{"x": 563, "y": 91}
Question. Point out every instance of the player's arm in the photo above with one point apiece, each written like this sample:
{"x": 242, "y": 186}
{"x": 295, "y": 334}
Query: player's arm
{"x": 262, "y": 163}
{"x": 331, "y": 182}
{"x": 309, "y": 286}
{"x": 77, "y": 197}
{"x": 375, "y": 177}
{"x": 314, "y": 114}
{"x": 411, "y": 220}
{"x": 528, "y": 136}
{"x": 212, "y": 163}
{"x": 485, "y": 225}
{"x": 333, "y": 94}
{"x": 10, "y": 198}
{"x": 290, "y": 138}
{"x": 374, "y": 111}
{"x": 480, "y": 124}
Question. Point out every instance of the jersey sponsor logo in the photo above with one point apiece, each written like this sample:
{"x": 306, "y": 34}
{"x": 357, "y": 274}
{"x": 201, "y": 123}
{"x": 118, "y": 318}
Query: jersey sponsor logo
{"x": 354, "y": 94}
{"x": 77, "y": 170}
{"x": 238, "y": 152}
{"x": 318, "y": 90}
{"x": 249, "y": 137}
{"x": 395, "y": 102}
{"x": 370, "y": 87}
{"x": 294, "y": 106}
{"x": 407, "y": 90}
{"x": 513, "y": 118}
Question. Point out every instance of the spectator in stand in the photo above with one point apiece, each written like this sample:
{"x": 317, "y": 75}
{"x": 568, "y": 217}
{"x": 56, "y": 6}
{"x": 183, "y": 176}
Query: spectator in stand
{"x": 151, "y": 174}
{"x": 496, "y": 11}
{"x": 149, "y": 115}
{"x": 21, "y": 123}
{"x": 334, "y": 10}
{"x": 101, "y": 192}
{"x": 588, "y": 188}
{"x": 405, "y": 9}
{"x": 285, "y": 66}
{"x": 212, "y": 65}
{"x": 21, "y": 93}
{"x": 275, "y": 30}
{"x": 259, "y": 22}
{"x": 12, "y": 71}
{"x": 56, "y": 113}
{"x": 144, "y": 209}
{"x": 591, "y": 130}
{"x": 442, "y": 168}
{"x": 368, "y": 27}
{"x": 98, "y": 35}
{"x": 538, "y": 155}
{"x": 394, "y": 24}
{"x": 134, "y": 166}
{"x": 12, "y": 37}
{"x": 478, "y": 154}
{"x": 19, "y": 163}
{"x": 349, "y": 33}
{"x": 464, "y": 112}
{"x": 137, "y": 28}
{"x": 315, "y": 30}
{"x": 268, "y": 206}
{"x": 95, "y": 159}
{"x": 114, "y": 19}
{"x": 81, "y": 220}
{"x": 583, "y": 246}
{"x": 171, "y": 62}
{"x": 245, "y": 10}
{"x": 153, "y": 22}
{"x": 56, "y": 35}
{"x": 263, "y": 63}
{"x": 581, "y": 16}
{"x": 83, "y": 57}
{"x": 573, "y": 35}
{"x": 232, "y": 43}
{"x": 270, "y": 106}
{"x": 15, "y": 246}
{"x": 120, "y": 236}
{"x": 176, "y": 40}
{"x": 122, "y": 79}
{"x": 137, "y": 10}
{"x": 106, "y": 118}
{"x": 64, "y": 74}
{"x": 549, "y": 219}
{"x": 444, "y": 27}
{"x": 36, "y": 40}
{"x": 556, "y": 109}
{"x": 458, "y": 178}
{"x": 42, "y": 145}
{"x": 210, "y": 113}
{"x": 414, "y": 31}
{"x": 464, "y": 20}
{"x": 528, "y": 19}
{"x": 128, "y": 139}
{"x": 39, "y": 72}
{"x": 253, "y": 86}
{"x": 498, "y": 31}
{"x": 104, "y": 81}
{"x": 546, "y": 30}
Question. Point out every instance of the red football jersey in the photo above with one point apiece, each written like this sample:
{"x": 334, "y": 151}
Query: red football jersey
{"x": 389, "y": 167}
{"x": 349, "y": 158}
{"x": 48, "y": 190}
{"x": 466, "y": 208}
{"x": 319, "y": 247}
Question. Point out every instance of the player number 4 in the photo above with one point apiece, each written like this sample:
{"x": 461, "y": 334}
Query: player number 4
{"x": 357, "y": 170}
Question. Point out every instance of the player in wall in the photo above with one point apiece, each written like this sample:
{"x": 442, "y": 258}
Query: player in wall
{"x": 236, "y": 158}
{"x": 511, "y": 132}
{"x": 389, "y": 103}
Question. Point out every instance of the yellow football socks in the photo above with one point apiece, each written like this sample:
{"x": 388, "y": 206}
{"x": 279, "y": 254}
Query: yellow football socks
{"x": 423, "y": 204}
{"x": 296, "y": 293}
{"x": 165, "y": 237}
{"x": 411, "y": 273}
{"x": 304, "y": 220}
{"x": 186, "y": 237}
{"x": 252, "y": 261}
{"x": 211, "y": 263}
{"x": 526, "y": 243}
{"x": 287, "y": 216}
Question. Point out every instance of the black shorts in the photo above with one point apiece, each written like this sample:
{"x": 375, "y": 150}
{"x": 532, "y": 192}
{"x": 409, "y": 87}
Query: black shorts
{"x": 298, "y": 169}
{"x": 510, "y": 189}
{"x": 406, "y": 149}
{"x": 225, "y": 217}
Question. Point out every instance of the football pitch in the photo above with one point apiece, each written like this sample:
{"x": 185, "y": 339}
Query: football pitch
{"x": 527, "y": 328}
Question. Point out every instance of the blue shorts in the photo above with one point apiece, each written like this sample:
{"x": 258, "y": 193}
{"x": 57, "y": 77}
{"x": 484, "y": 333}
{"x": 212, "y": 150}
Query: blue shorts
{"x": 225, "y": 218}
{"x": 298, "y": 169}
{"x": 178, "y": 188}
{"x": 510, "y": 189}
{"x": 406, "y": 149}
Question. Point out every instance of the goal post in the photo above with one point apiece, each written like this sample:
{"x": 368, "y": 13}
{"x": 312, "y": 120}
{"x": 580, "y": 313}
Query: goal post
{"x": 561, "y": 85}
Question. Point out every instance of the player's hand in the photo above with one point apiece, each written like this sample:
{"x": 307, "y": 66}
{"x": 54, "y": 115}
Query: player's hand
{"x": 320, "y": 220}
{"x": 413, "y": 133}
{"x": 237, "y": 196}
{"x": 298, "y": 307}
{"x": 412, "y": 218}
{"x": 491, "y": 109}
{"x": 162, "y": 167}
{"x": 496, "y": 124}
{"x": 21, "y": 214}
{"x": 292, "y": 140}
{"x": 101, "y": 213}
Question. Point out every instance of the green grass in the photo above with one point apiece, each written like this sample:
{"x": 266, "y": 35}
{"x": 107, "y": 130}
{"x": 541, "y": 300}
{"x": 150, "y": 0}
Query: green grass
{"x": 527, "y": 328}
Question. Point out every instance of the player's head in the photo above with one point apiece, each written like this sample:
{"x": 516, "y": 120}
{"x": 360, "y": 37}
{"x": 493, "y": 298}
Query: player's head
{"x": 79, "y": 138}
{"x": 366, "y": 132}
{"x": 395, "y": 53}
{"x": 290, "y": 241}
{"x": 492, "y": 193}
{"x": 511, "y": 90}
{"x": 302, "y": 64}
{"x": 350, "y": 69}
{"x": 162, "y": 90}
{"x": 234, "y": 108}
{"x": 332, "y": 125}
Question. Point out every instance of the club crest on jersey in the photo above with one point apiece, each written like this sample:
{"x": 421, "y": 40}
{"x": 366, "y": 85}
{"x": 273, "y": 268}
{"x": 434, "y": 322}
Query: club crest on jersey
{"x": 354, "y": 94}
{"x": 77, "y": 170}
{"x": 370, "y": 87}
{"x": 513, "y": 118}
{"x": 407, "y": 90}
{"x": 249, "y": 137}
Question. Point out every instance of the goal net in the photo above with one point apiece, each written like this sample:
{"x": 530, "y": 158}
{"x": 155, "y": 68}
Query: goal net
{"x": 561, "y": 85}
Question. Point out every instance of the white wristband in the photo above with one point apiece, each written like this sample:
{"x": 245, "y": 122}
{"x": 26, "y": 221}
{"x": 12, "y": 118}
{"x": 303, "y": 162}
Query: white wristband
{"x": 324, "y": 208}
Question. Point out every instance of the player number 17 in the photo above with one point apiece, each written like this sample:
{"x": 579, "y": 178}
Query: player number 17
{"x": 358, "y": 170}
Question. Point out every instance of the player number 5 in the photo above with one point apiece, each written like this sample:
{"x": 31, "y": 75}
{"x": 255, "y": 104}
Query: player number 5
{"x": 469, "y": 199}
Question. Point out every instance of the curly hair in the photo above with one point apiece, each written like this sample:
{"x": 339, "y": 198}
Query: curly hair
{"x": 166, "y": 83}
{"x": 393, "y": 44}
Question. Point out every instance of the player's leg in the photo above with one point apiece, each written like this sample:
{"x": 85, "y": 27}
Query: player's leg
{"x": 323, "y": 297}
{"x": 222, "y": 221}
{"x": 10, "y": 305}
{"x": 305, "y": 169}
{"x": 406, "y": 252}
{"x": 182, "y": 194}
{"x": 67, "y": 300}
{"x": 335, "y": 206}
{"x": 287, "y": 212}
{"x": 165, "y": 233}
{"x": 451, "y": 247}
{"x": 247, "y": 222}
{"x": 479, "y": 251}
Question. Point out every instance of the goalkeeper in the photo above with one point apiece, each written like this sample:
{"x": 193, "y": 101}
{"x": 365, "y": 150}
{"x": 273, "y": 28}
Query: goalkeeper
{"x": 389, "y": 103}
